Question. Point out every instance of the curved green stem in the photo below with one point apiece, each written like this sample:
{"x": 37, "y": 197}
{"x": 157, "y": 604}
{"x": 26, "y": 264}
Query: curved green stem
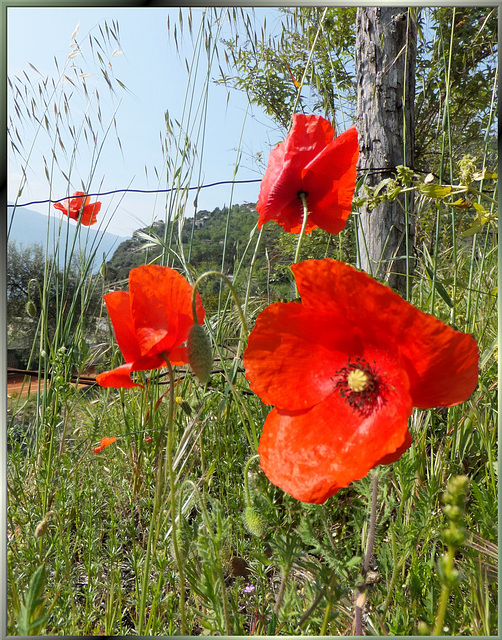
{"x": 153, "y": 533}
{"x": 172, "y": 491}
{"x": 151, "y": 536}
{"x": 303, "y": 198}
{"x": 441, "y": 612}
{"x": 232, "y": 290}
{"x": 246, "y": 483}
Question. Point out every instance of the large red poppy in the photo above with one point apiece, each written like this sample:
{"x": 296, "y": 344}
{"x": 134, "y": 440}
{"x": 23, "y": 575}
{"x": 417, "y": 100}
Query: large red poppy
{"x": 78, "y": 207}
{"x": 310, "y": 161}
{"x": 151, "y": 322}
{"x": 344, "y": 369}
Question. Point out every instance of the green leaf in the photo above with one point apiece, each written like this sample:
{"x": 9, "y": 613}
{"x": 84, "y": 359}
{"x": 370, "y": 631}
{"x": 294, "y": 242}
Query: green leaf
{"x": 435, "y": 190}
{"x": 272, "y": 625}
{"x": 30, "y": 622}
{"x": 474, "y": 228}
{"x": 440, "y": 288}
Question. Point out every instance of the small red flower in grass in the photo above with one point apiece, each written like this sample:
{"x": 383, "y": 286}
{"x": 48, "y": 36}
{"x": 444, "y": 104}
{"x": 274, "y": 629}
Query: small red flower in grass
{"x": 344, "y": 369}
{"x": 78, "y": 208}
{"x": 105, "y": 442}
{"x": 313, "y": 162}
{"x": 151, "y": 321}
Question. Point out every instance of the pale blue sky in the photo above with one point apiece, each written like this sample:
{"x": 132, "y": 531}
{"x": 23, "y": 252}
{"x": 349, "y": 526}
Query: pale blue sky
{"x": 156, "y": 78}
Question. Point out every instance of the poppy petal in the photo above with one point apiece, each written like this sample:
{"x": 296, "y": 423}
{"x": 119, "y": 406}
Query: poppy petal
{"x": 278, "y": 199}
{"x": 77, "y": 203}
{"x": 308, "y": 137}
{"x": 118, "y": 378}
{"x": 178, "y": 356}
{"x": 313, "y": 161}
{"x": 442, "y": 363}
{"x": 392, "y": 457}
{"x": 105, "y": 442}
{"x": 331, "y": 178}
{"x": 161, "y": 303}
{"x": 118, "y": 305}
{"x": 61, "y": 206}
{"x": 294, "y": 367}
{"x": 312, "y": 454}
{"x": 89, "y": 213}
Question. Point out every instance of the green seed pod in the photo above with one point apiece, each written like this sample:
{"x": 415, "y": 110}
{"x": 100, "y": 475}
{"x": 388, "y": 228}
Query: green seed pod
{"x": 200, "y": 355}
{"x": 255, "y": 523}
{"x": 31, "y": 309}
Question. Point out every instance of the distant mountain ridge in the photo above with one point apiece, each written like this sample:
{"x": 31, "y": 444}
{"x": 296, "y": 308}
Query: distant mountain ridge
{"x": 27, "y": 227}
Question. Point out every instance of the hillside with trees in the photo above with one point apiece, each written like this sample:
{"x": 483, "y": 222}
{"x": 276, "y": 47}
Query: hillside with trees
{"x": 224, "y": 240}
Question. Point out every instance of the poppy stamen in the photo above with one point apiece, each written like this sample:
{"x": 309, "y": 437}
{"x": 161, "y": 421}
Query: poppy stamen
{"x": 359, "y": 385}
{"x": 358, "y": 380}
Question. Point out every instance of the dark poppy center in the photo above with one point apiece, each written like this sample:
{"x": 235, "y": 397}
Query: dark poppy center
{"x": 359, "y": 384}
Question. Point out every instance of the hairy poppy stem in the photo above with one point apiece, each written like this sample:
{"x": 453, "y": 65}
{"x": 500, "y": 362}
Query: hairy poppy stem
{"x": 360, "y": 596}
{"x": 303, "y": 198}
{"x": 246, "y": 480}
{"x": 172, "y": 492}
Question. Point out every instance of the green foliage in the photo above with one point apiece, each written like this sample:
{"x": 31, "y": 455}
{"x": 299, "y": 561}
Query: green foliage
{"x": 102, "y": 524}
{"x": 455, "y": 77}
{"x": 455, "y": 87}
{"x": 37, "y": 291}
{"x": 32, "y": 620}
{"x": 314, "y": 51}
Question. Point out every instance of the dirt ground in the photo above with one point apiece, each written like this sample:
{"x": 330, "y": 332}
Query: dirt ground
{"x": 24, "y": 385}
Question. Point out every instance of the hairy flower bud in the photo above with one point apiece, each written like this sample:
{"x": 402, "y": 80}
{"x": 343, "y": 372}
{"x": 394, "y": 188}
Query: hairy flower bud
{"x": 200, "y": 355}
{"x": 41, "y": 528}
{"x": 254, "y": 521}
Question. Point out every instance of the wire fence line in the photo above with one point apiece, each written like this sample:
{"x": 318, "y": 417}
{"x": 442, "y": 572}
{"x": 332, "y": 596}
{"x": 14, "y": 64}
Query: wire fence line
{"x": 107, "y": 193}
{"x": 169, "y": 190}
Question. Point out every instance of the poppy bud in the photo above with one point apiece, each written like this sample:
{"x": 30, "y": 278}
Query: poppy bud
{"x": 31, "y": 308}
{"x": 423, "y": 628}
{"x": 200, "y": 355}
{"x": 254, "y": 521}
{"x": 41, "y": 529}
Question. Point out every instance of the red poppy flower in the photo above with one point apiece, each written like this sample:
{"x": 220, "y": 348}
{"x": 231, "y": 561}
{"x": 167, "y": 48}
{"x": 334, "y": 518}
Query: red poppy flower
{"x": 105, "y": 442}
{"x": 151, "y": 321}
{"x": 78, "y": 208}
{"x": 310, "y": 161}
{"x": 344, "y": 369}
